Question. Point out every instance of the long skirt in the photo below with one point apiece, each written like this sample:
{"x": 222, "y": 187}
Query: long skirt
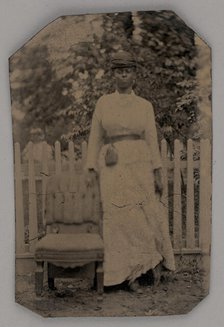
{"x": 135, "y": 224}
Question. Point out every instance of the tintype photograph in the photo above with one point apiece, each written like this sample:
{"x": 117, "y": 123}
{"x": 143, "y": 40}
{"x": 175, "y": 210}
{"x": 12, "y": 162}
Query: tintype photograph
{"x": 112, "y": 166}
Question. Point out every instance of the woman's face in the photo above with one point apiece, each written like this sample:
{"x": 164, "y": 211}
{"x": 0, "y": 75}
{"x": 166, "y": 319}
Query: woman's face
{"x": 124, "y": 77}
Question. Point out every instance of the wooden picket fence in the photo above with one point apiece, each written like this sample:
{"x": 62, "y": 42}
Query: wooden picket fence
{"x": 190, "y": 229}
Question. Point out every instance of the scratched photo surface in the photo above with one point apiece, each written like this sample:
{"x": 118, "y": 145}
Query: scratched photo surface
{"x": 112, "y": 164}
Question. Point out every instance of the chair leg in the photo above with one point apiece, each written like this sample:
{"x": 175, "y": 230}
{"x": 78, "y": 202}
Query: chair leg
{"x": 99, "y": 276}
{"x": 94, "y": 281}
{"x": 39, "y": 278}
{"x": 51, "y": 284}
{"x": 50, "y": 277}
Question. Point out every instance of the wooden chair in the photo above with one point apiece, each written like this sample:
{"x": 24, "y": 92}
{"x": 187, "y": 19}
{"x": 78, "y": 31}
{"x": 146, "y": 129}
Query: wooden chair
{"x": 73, "y": 230}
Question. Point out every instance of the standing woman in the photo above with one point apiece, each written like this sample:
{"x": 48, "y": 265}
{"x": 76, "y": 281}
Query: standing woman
{"x": 123, "y": 149}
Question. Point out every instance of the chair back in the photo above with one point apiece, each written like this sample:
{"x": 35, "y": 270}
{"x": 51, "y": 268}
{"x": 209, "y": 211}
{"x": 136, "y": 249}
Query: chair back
{"x": 69, "y": 201}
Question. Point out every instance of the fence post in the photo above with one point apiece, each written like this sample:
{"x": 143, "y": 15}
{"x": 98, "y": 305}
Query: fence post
{"x": 45, "y": 173}
{"x": 205, "y": 207}
{"x": 190, "y": 221}
{"x": 20, "y": 242}
{"x": 33, "y": 225}
{"x": 165, "y": 177}
{"x": 71, "y": 156}
{"x": 205, "y": 196}
{"x": 57, "y": 157}
{"x": 84, "y": 153}
{"x": 177, "y": 212}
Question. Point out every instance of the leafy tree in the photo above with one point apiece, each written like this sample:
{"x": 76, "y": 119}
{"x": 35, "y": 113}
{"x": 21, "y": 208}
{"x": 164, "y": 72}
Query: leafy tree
{"x": 168, "y": 76}
{"x": 59, "y": 95}
{"x": 38, "y": 92}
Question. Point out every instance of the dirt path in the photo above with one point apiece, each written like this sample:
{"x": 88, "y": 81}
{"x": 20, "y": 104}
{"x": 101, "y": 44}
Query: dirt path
{"x": 74, "y": 298}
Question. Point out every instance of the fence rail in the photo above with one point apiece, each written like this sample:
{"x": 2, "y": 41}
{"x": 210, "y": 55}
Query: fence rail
{"x": 187, "y": 203}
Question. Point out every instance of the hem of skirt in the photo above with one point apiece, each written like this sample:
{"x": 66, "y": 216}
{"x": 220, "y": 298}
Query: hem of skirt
{"x": 131, "y": 277}
{"x": 171, "y": 267}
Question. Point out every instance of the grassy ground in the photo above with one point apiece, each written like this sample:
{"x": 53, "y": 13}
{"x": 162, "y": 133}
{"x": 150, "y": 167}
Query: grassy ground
{"x": 176, "y": 294}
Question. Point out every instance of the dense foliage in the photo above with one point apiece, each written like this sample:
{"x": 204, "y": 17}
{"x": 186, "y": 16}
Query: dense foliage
{"x": 59, "y": 95}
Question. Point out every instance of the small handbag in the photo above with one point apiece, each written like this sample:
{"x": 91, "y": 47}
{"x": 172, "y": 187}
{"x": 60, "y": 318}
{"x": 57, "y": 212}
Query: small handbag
{"x": 111, "y": 156}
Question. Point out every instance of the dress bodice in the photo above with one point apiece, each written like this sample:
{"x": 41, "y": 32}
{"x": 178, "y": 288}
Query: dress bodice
{"x": 122, "y": 114}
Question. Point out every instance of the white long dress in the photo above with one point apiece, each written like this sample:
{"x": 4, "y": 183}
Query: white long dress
{"x": 135, "y": 225}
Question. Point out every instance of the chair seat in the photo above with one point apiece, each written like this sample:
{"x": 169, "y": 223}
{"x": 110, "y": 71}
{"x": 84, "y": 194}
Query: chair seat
{"x": 69, "y": 243}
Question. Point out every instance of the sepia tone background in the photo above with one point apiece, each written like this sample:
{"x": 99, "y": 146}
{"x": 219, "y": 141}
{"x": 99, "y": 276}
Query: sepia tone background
{"x": 56, "y": 79}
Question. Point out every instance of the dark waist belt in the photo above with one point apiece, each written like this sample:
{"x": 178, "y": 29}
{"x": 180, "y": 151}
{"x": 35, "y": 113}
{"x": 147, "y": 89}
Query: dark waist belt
{"x": 117, "y": 138}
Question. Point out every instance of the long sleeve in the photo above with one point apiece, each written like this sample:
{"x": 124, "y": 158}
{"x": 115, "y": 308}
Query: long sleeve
{"x": 95, "y": 138}
{"x": 152, "y": 138}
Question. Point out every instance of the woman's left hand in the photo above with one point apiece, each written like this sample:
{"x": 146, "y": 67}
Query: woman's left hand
{"x": 158, "y": 182}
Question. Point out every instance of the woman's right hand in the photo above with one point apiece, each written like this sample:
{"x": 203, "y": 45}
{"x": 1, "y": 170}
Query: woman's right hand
{"x": 90, "y": 177}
